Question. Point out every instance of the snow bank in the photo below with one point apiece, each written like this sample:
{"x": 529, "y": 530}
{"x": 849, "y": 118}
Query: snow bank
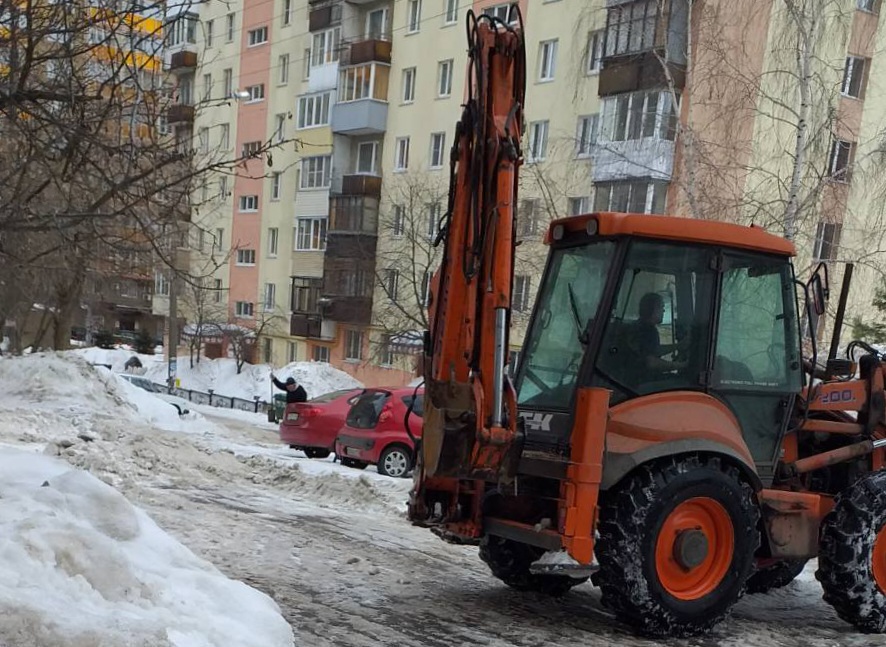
{"x": 79, "y": 565}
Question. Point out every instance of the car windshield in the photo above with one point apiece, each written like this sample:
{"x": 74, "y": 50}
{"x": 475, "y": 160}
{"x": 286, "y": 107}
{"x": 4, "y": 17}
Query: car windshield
{"x": 366, "y": 410}
{"x": 568, "y": 301}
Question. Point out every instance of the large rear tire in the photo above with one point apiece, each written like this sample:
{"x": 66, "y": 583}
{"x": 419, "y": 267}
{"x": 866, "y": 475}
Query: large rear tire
{"x": 852, "y": 554}
{"x": 509, "y": 561}
{"x": 676, "y": 545}
{"x": 775, "y": 576}
{"x": 316, "y": 452}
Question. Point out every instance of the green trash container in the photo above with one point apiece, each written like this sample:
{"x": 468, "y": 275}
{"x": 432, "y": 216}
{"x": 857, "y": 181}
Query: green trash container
{"x": 276, "y": 412}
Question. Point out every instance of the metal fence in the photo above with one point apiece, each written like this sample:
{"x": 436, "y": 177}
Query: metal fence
{"x": 256, "y": 405}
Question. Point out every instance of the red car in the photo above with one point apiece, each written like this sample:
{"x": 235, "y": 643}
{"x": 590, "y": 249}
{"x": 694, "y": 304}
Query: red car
{"x": 312, "y": 426}
{"x": 374, "y": 431}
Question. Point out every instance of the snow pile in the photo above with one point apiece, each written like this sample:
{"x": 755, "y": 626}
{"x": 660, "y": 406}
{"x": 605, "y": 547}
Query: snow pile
{"x": 116, "y": 358}
{"x": 80, "y": 565}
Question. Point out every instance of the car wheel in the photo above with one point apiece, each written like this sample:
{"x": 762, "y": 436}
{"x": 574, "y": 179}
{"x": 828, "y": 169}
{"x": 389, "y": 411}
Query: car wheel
{"x": 316, "y": 452}
{"x": 357, "y": 465}
{"x": 395, "y": 461}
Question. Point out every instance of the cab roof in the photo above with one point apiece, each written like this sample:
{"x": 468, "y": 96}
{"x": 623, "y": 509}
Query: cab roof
{"x": 674, "y": 228}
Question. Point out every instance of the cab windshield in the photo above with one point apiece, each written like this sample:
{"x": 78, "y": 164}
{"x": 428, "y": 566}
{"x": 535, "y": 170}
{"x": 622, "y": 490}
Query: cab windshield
{"x": 568, "y": 302}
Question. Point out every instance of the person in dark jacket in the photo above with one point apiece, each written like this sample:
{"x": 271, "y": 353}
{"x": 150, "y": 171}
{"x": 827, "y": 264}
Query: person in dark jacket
{"x": 294, "y": 392}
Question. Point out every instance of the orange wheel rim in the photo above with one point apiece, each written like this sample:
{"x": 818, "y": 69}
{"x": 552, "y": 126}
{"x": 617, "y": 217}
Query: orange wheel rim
{"x": 695, "y": 547}
{"x": 878, "y": 560}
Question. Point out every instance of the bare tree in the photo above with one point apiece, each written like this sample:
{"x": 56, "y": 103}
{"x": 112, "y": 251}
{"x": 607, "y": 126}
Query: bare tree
{"x": 91, "y": 185}
{"x": 243, "y": 341}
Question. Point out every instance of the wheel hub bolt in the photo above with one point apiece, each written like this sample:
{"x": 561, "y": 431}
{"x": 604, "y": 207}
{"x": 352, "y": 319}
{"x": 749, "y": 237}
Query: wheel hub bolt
{"x": 690, "y": 548}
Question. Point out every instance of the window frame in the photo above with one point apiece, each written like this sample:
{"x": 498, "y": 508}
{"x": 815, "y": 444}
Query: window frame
{"x": 308, "y": 175}
{"x": 401, "y": 154}
{"x": 245, "y": 257}
{"x": 257, "y": 36}
{"x": 316, "y": 228}
{"x": 547, "y": 60}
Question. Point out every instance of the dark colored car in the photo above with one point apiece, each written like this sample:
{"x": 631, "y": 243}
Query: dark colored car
{"x": 312, "y": 426}
{"x": 375, "y": 431}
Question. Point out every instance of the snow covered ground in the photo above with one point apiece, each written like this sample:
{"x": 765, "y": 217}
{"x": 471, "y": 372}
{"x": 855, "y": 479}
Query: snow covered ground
{"x": 221, "y": 375}
{"x": 328, "y": 546}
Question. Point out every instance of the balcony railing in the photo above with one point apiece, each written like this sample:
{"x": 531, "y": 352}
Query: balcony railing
{"x": 353, "y": 214}
{"x": 180, "y": 113}
{"x": 361, "y": 185}
{"x": 367, "y": 51}
{"x": 183, "y": 60}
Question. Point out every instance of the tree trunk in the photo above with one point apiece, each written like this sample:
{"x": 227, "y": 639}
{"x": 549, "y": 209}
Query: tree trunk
{"x": 67, "y": 302}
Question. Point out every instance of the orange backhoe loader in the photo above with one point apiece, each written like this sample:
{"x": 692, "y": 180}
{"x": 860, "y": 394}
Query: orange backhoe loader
{"x": 663, "y": 434}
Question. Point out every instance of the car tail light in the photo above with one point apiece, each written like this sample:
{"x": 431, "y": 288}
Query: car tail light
{"x": 311, "y": 412}
{"x": 386, "y": 414}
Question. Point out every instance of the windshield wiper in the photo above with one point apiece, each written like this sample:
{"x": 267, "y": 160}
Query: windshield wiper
{"x": 582, "y": 332}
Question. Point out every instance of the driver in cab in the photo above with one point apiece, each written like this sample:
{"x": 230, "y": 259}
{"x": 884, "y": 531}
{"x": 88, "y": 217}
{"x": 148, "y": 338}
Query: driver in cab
{"x": 646, "y": 341}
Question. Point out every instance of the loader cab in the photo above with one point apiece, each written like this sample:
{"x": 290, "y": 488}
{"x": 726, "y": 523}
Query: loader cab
{"x": 642, "y": 315}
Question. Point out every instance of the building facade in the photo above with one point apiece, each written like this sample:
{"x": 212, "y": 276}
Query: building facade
{"x": 652, "y": 106}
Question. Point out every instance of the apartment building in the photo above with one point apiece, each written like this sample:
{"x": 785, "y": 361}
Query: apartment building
{"x": 627, "y": 109}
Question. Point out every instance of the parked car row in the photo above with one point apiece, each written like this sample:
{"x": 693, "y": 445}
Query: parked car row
{"x": 362, "y": 426}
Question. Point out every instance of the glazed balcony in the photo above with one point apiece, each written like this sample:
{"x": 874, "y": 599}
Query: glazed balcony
{"x": 362, "y": 105}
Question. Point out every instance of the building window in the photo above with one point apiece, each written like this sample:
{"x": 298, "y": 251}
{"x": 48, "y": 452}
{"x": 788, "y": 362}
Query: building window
{"x": 207, "y": 87}
{"x": 352, "y": 283}
{"x": 293, "y": 352}
{"x": 182, "y": 30}
{"x": 161, "y": 284}
{"x": 630, "y": 27}
{"x": 219, "y": 241}
{"x": 866, "y": 5}
{"x": 228, "y": 81}
{"x": 320, "y": 354}
{"x": 256, "y": 93}
{"x": 841, "y": 158}
{"x": 257, "y": 36}
{"x": 642, "y": 196}
{"x": 367, "y": 158}
{"x": 267, "y": 346}
{"x": 586, "y": 136}
{"x": 273, "y": 240}
{"x": 287, "y": 12}
{"x": 251, "y": 149}
{"x": 827, "y": 240}
{"x": 595, "y": 52}
{"x": 316, "y": 172}
{"x": 409, "y": 85}
{"x": 854, "y": 77}
{"x": 229, "y": 28}
{"x": 522, "y": 293}
{"x": 279, "y": 128}
{"x": 398, "y": 224}
{"x": 224, "y": 138}
{"x": 369, "y": 81}
{"x": 276, "y": 185}
{"x": 203, "y": 140}
{"x": 386, "y": 351}
{"x": 217, "y": 290}
{"x": 248, "y": 203}
{"x": 377, "y": 24}
{"x": 245, "y": 257}
{"x": 313, "y": 110}
{"x": 538, "y": 141}
{"x": 438, "y": 146}
{"x": 401, "y": 158}
{"x": 310, "y": 234}
{"x": 579, "y": 206}
{"x": 207, "y": 32}
{"x": 424, "y": 294}
{"x": 444, "y": 78}
{"x": 306, "y": 65}
{"x": 353, "y": 345}
{"x": 392, "y": 284}
{"x": 527, "y": 217}
{"x": 547, "y": 60}
{"x": 283, "y": 69}
{"x": 270, "y": 296}
{"x": 244, "y": 309}
{"x": 223, "y": 188}
{"x": 325, "y": 47}
{"x": 639, "y": 115}
{"x": 433, "y": 219}
{"x": 451, "y": 11}
{"x": 505, "y": 12}
{"x": 414, "y": 16}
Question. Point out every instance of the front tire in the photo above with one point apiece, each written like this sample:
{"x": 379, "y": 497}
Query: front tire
{"x": 852, "y": 554}
{"x": 509, "y": 561}
{"x": 676, "y": 545}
